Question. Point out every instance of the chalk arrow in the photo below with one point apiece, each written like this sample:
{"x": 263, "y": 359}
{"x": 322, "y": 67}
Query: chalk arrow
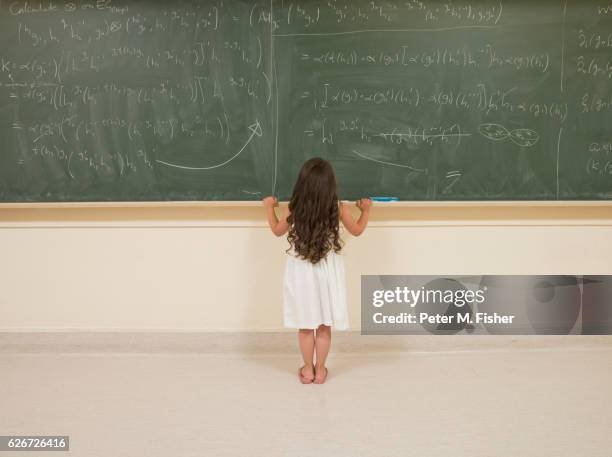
{"x": 255, "y": 130}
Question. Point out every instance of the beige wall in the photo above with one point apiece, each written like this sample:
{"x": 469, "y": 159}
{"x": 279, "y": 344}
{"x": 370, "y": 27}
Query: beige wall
{"x": 219, "y": 268}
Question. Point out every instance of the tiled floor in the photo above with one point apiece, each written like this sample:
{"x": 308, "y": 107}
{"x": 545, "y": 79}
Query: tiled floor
{"x": 522, "y": 400}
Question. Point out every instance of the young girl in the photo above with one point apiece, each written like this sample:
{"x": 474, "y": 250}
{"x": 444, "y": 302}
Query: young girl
{"x": 314, "y": 290}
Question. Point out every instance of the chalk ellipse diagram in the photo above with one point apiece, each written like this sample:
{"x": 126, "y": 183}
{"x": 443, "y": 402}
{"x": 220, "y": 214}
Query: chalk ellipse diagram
{"x": 525, "y": 138}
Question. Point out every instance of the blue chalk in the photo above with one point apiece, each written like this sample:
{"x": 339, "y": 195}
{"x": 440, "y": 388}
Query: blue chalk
{"x": 384, "y": 199}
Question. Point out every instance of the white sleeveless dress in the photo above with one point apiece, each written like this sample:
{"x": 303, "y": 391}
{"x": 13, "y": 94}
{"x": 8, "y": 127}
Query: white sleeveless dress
{"x": 315, "y": 294}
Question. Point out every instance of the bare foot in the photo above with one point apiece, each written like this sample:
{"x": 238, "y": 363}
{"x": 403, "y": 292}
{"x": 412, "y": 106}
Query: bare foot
{"x": 320, "y": 375}
{"x": 306, "y": 374}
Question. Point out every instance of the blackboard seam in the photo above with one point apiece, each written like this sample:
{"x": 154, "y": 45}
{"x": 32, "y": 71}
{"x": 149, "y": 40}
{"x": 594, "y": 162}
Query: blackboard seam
{"x": 563, "y": 44}
{"x": 558, "y": 157}
{"x": 273, "y": 76}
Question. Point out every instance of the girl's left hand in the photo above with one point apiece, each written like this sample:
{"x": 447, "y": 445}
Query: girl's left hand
{"x": 270, "y": 202}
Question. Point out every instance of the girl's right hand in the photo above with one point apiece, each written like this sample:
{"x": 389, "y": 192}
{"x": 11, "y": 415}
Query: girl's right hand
{"x": 270, "y": 202}
{"x": 364, "y": 204}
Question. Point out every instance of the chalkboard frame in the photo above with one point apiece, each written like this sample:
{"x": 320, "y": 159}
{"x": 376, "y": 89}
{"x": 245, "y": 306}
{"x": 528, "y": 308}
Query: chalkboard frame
{"x": 492, "y": 185}
{"x": 251, "y": 203}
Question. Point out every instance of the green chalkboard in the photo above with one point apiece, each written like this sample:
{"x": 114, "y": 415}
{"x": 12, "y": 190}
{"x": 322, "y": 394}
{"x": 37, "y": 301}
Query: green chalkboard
{"x": 224, "y": 100}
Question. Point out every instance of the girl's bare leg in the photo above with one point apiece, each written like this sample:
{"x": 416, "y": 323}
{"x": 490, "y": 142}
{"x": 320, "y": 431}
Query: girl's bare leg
{"x": 322, "y": 345}
{"x": 306, "y": 338}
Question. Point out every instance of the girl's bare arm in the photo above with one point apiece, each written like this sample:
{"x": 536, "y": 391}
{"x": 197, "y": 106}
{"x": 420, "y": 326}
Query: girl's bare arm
{"x": 278, "y": 227}
{"x": 357, "y": 227}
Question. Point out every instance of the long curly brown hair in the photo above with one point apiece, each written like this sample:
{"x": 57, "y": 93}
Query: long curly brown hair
{"x": 314, "y": 213}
